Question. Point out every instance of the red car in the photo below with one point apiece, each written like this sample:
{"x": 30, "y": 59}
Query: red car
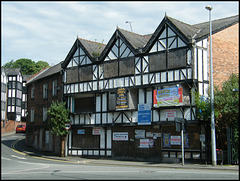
{"x": 21, "y": 128}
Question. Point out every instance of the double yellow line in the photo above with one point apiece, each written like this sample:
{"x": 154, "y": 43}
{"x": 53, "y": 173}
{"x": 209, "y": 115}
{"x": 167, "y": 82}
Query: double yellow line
{"x": 13, "y": 147}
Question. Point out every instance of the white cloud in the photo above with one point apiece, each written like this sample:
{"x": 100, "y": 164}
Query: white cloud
{"x": 47, "y": 30}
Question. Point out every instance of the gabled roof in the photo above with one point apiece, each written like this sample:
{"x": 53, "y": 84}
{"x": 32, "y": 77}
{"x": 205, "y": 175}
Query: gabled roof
{"x": 136, "y": 40}
{"x": 12, "y": 71}
{"x": 188, "y": 30}
{"x": 92, "y": 49}
{"x": 26, "y": 77}
{"x": 132, "y": 40}
{"x": 46, "y": 73}
{"x": 217, "y": 25}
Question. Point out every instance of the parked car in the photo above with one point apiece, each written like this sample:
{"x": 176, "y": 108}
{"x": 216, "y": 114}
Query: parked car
{"x": 21, "y": 128}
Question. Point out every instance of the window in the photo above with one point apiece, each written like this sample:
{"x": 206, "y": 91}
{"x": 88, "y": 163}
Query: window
{"x": 45, "y": 87}
{"x": 85, "y": 104}
{"x": 44, "y": 114}
{"x": 32, "y": 115}
{"x": 13, "y": 85}
{"x": 33, "y": 91}
{"x": 54, "y": 85}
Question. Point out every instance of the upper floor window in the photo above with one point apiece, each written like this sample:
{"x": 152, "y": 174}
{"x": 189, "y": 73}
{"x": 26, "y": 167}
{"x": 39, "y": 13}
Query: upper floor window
{"x": 32, "y": 115}
{"x": 45, "y": 90}
{"x": 44, "y": 114}
{"x": 54, "y": 89}
{"x": 32, "y": 91}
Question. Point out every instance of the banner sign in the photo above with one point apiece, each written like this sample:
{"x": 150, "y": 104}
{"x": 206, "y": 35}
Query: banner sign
{"x": 177, "y": 140}
{"x": 120, "y": 136}
{"x": 121, "y": 99}
{"x": 168, "y": 97}
{"x": 166, "y": 140}
{"x": 144, "y": 114}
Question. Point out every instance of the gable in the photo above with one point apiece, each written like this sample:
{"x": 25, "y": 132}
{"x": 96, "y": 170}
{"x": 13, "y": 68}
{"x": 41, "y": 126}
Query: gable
{"x": 167, "y": 39}
{"x": 79, "y": 58}
{"x": 119, "y": 50}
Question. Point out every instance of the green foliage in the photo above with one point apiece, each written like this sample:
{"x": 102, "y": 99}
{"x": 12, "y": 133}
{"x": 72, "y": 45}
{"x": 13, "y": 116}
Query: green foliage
{"x": 58, "y": 114}
{"x": 203, "y": 105}
{"x": 97, "y": 51}
{"x": 28, "y": 67}
{"x": 227, "y": 111}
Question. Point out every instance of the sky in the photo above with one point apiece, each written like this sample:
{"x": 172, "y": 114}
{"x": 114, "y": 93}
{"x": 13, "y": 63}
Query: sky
{"x": 47, "y": 30}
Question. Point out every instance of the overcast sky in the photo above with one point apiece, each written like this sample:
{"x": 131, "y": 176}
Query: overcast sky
{"x": 47, "y": 30}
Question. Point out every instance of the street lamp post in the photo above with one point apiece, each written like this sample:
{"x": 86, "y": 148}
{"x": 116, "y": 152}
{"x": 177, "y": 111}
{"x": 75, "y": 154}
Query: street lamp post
{"x": 130, "y": 24}
{"x": 213, "y": 137}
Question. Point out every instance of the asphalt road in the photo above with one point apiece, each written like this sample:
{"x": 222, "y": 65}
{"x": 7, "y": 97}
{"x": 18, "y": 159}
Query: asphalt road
{"x": 15, "y": 165}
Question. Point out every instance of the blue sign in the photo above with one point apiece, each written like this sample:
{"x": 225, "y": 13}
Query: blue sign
{"x": 144, "y": 114}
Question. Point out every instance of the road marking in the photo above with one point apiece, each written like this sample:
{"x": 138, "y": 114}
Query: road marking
{"x": 22, "y": 158}
{"x": 5, "y": 158}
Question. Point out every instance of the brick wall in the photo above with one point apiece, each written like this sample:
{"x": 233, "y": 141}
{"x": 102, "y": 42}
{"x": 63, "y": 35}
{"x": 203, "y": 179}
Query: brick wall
{"x": 225, "y": 54}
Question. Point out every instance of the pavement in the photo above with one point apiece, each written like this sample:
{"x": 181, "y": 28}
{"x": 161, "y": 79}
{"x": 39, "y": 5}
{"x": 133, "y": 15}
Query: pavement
{"x": 23, "y": 149}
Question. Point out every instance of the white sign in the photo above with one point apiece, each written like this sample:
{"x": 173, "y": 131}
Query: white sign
{"x": 171, "y": 113}
{"x": 175, "y": 140}
{"x": 120, "y": 136}
{"x": 144, "y": 143}
{"x": 139, "y": 133}
{"x": 67, "y": 126}
{"x": 96, "y": 131}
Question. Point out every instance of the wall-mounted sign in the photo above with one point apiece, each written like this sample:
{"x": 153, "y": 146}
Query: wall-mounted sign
{"x": 168, "y": 97}
{"x": 144, "y": 114}
{"x": 139, "y": 133}
{"x": 144, "y": 143}
{"x": 121, "y": 99}
{"x": 81, "y": 131}
{"x": 176, "y": 140}
{"x": 171, "y": 113}
{"x": 120, "y": 136}
{"x": 96, "y": 131}
{"x": 166, "y": 140}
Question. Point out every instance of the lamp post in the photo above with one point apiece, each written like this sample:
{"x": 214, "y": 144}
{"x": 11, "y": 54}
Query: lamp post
{"x": 213, "y": 137}
{"x": 130, "y": 24}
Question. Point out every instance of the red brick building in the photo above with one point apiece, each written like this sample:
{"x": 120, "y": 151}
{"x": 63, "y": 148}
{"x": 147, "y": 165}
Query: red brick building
{"x": 42, "y": 90}
{"x": 225, "y": 53}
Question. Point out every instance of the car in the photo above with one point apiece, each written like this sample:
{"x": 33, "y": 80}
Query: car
{"x": 21, "y": 128}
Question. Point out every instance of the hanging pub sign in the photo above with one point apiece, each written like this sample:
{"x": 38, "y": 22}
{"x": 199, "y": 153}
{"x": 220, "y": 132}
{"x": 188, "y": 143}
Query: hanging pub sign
{"x": 121, "y": 99}
{"x": 168, "y": 97}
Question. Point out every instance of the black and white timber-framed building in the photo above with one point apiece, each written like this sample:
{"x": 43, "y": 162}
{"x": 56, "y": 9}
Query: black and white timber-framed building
{"x": 108, "y": 86}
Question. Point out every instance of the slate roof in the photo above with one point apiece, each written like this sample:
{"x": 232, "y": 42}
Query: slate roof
{"x": 217, "y": 25}
{"x": 46, "y": 73}
{"x": 135, "y": 41}
{"x": 92, "y": 47}
{"x": 12, "y": 71}
{"x": 26, "y": 77}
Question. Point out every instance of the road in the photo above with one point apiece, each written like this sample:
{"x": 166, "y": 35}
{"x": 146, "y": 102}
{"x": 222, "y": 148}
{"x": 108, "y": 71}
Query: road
{"x": 15, "y": 165}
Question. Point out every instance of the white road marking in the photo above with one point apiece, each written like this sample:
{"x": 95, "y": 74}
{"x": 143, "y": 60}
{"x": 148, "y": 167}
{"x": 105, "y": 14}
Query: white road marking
{"x": 22, "y": 158}
{"x": 5, "y": 158}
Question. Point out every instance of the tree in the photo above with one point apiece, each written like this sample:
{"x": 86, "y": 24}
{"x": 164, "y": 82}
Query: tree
{"x": 27, "y": 66}
{"x": 227, "y": 112}
{"x": 58, "y": 114}
{"x": 203, "y": 105}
